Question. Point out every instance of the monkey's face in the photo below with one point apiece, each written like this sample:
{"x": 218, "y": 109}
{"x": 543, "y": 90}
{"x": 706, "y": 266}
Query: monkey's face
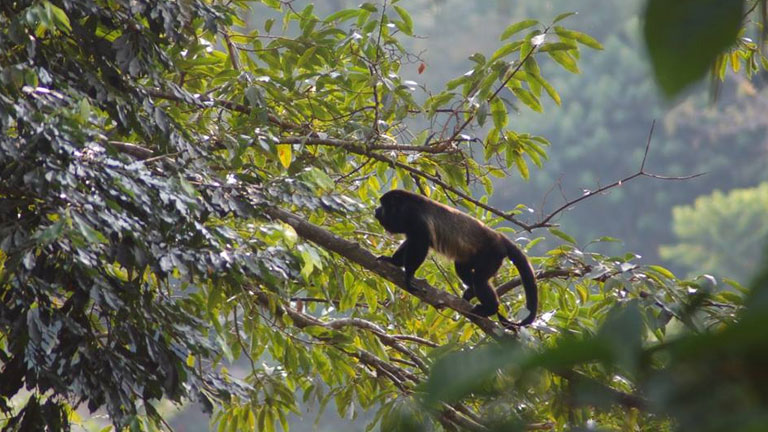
{"x": 390, "y": 215}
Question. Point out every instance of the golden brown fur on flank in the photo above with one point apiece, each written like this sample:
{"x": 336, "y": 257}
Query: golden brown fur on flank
{"x": 453, "y": 233}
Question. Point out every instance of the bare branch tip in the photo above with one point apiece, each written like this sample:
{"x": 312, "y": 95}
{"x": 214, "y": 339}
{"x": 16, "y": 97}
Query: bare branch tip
{"x": 648, "y": 145}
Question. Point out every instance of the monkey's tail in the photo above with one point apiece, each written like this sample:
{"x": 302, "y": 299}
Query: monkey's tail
{"x": 529, "y": 280}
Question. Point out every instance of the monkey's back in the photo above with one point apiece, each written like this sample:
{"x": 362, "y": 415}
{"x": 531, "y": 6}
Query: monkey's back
{"x": 457, "y": 235}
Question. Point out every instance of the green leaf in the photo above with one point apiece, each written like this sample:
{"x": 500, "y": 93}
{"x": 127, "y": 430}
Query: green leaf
{"x": 90, "y": 234}
{"x": 522, "y": 166}
{"x": 579, "y": 37}
{"x": 516, "y": 27}
{"x": 482, "y": 113}
{"x": 731, "y": 297}
{"x": 565, "y": 60}
{"x": 452, "y": 84}
{"x": 368, "y": 6}
{"x": 435, "y": 102}
{"x": 568, "y": 353}
{"x": 352, "y": 290}
{"x": 608, "y": 239}
{"x": 506, "y": 49}
{"x": 60, "y": 18}
{"x": 453, "y": 172}
{"x": 478, "y": 58}
{"x": 721, "y": 67}
{"x": 583, "y": 293}
{"x": 532, "y": 152}
{"x": 622, "y": 333}
{"x": 407, "y": 20}
{"x": 52, "y": 232}
{"x": 562, "y": 235}
{"x": 268, "y": 24}
{"x": 557, "y": 46}
{"x": 662, "y": 271}
{"x": 371, "y": 299}
{"x": 85, "y": 109}
{"x": 528, "y": 98}
{"x": 549, "y": 89}
{"x": 533, "y": 74}
{"x": 342, "y": 15}
{"x": 562, "y": 16}
{"x": 684, "y": 37}
{"x": 499, "y": 113}
{"x": 306, "y": 56}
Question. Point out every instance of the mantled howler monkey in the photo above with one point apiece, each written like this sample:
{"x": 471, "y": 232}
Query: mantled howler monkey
{"x": 477, "y": 251}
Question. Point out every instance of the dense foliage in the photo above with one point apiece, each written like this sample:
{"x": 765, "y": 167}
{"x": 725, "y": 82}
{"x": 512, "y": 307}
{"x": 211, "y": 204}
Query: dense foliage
{"x": 182, "y": 190}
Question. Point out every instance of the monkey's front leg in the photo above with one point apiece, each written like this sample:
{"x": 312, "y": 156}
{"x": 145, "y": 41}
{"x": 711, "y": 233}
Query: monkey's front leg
{"x": 413, "y": 256}
{"x": 398, "y": 258}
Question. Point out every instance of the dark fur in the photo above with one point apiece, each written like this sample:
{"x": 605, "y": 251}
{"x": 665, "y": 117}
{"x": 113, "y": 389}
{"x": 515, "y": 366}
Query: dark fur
{"x": 477, "y": 251}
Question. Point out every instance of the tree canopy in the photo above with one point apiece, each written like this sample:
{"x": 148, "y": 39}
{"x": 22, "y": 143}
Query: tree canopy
{"x": 185, "y": 188}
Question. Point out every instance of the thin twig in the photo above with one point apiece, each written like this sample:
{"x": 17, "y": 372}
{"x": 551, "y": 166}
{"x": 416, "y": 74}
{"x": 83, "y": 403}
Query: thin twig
{"x": 640, "y": 173}
{"x": 246, "y": 350}
{"x": 322, "y": 300}
{"x": 232, "y": 49}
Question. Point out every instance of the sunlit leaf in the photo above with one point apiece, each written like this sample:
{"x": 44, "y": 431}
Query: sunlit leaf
{"x": 565, "y": 60}
{"x": 579, "y": 37}
{"x": 562, "y": 16}
{"x": 499, "y": 113}
{"x": 406, "y": 17}
{"x": 522, "y": 167}
{"x": 528, "y": 98}
{"x": 562, "y": 235}
{"x": 516, "y": 27}
{"x": 284, "y": 154}
{"x": 663, "y": 271}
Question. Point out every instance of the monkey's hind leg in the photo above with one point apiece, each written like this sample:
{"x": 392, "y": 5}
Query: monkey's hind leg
{"x": 464, "y": 271}
{"x": 489, "y": 300}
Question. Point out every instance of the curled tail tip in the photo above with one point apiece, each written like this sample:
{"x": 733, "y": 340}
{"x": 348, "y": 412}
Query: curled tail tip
{"x": 528, "y": 320}
{"x": 509, "y": 325}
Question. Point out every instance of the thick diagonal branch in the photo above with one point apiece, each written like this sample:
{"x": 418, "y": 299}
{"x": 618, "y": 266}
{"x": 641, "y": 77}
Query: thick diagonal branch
{"x": 353, "y": 252}
{"x": 425, "y": 292}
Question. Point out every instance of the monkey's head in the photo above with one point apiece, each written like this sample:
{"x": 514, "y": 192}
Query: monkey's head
{"x": 395, "y": 212}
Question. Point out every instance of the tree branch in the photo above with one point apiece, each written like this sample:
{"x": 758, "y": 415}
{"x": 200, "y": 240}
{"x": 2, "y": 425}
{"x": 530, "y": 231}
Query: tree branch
{"x": 425, "y": 292}
{"x": 134, "y": 150}
{"x": 206, "y": 102}
{"x": 353, "y": 252}
{"x": 358, "y": 149}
